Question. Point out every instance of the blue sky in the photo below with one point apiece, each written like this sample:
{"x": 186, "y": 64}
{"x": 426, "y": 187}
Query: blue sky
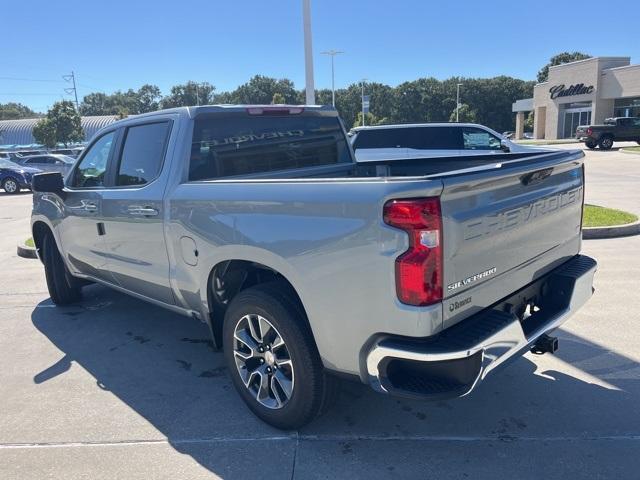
{"x": 119, "y": 44}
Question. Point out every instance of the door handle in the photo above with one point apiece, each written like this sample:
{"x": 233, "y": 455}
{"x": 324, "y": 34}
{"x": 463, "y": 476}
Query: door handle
{"x": 89, "y": 207}
{"x": 142, "y": 211}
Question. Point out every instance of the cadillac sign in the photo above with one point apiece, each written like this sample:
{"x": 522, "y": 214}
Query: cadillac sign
{"x": 578, "y": 89}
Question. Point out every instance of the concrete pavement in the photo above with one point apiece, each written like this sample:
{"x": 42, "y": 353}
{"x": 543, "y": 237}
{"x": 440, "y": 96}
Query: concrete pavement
{"x": 115, "y": 388}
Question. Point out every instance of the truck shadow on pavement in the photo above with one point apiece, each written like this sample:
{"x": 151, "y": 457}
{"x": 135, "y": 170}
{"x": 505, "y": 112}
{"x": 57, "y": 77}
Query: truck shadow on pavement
{"x": 163, "y": 367}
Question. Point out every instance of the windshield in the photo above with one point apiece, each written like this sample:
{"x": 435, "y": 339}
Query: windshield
{"x": 7, "y": 164}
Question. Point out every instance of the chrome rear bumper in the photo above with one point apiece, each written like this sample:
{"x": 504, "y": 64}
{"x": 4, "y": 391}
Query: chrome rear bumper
{"x": 452, "y": 363}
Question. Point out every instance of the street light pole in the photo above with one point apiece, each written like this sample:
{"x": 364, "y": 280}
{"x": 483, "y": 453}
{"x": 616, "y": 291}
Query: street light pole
{"x": 310, "y": 92}
{"x": 458, "y": 102}
{"x": 332, "y": 53}
{"x": 363, "y": 80}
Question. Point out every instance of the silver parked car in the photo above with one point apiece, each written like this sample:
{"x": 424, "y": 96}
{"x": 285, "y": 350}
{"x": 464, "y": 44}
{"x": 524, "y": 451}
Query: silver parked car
{"x": 48, "y": 163}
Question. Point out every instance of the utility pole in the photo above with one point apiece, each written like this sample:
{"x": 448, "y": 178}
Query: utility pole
{"x": 310, "y": 90}
{"x": 362, "y": 83}
{"x": 72, "y": 78}
{"x": 332, "y": 53}
{"x": 458, "y": 102}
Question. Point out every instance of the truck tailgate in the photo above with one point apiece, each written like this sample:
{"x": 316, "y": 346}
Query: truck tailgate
{"x": 505, "y": 227}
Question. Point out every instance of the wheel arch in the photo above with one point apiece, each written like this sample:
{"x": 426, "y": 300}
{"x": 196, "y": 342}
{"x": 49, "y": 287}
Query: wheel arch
{"x": 38, "y": 231}
{"x": 229, "y": 277}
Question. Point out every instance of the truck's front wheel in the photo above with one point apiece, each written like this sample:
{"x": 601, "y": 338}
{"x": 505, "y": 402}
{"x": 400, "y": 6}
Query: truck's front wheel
{"x": 59, "y": 284}
{"x": 272, "y": 359}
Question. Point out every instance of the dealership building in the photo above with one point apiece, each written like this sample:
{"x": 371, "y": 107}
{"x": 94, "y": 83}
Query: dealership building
{"x": 581, "y": 93}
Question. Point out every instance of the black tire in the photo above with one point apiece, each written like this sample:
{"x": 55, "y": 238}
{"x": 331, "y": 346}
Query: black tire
{"x": 11, "y": 185}
{"x": 606, "y": 142}
{"x": 313, "y": 389}
{"x": 591, "y": 143}
{"x": 58, "y": 278}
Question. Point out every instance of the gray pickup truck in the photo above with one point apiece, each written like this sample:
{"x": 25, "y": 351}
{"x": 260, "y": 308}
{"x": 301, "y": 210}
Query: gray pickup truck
{"x": 618, "y": 129}
{"x": 417, "y": 277}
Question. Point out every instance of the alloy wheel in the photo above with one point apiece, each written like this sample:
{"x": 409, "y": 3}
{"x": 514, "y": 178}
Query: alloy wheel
{"x": 10, "y": 186}
{"x": 263, "y": 361}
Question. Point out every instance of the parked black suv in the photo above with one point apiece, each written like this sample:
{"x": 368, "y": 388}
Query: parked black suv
{"x": 613, "y": 129}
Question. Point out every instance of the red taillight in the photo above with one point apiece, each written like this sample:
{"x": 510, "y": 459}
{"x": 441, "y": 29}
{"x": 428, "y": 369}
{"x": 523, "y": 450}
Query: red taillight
{"x": 589, "y": 131}
{"x": 419, "y": 269}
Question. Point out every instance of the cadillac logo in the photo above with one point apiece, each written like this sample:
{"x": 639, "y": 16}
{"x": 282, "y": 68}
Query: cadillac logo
{"x": 578, "y": 89}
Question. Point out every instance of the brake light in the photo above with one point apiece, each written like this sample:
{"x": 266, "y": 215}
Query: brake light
{"x": 589, "y": 131}
{"x": 419, "y": 269}
{"x": 275, "y": 110}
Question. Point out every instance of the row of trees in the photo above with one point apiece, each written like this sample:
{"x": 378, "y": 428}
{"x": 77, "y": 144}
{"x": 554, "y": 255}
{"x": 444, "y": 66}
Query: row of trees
{"x": 485, "y": 100}
{"x": 14, "y": 111}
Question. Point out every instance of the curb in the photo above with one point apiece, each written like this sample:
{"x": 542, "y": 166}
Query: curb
{"x": 27, "y": 252}
{"x": 613, "y": 231}
{"x": 630, "y": 152}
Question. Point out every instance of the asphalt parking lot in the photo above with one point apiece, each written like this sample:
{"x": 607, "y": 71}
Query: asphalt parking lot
{"x": 115, "y": 388}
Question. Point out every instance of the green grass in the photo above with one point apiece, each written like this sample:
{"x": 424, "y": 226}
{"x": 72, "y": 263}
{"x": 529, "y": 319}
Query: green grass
{"x": 630, "y": 149}
{"x": 29, "y": 243}
{"x": 595, "y": 216}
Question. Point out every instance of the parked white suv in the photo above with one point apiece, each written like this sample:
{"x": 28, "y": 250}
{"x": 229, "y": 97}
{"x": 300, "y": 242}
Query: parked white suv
{"x": 387, "y": 142}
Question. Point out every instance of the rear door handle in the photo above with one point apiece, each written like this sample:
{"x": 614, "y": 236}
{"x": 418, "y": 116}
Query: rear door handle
{"x": 142, "y": 211}
{"x": 90, "y": 207}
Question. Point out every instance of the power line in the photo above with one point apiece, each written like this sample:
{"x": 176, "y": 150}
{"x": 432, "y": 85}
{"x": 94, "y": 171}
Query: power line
{"x": 3, "y": 93}
{"x": 30, "y": 79}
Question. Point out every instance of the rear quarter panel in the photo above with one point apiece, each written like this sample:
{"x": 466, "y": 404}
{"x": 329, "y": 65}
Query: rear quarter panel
{"x": 325, "y": 236}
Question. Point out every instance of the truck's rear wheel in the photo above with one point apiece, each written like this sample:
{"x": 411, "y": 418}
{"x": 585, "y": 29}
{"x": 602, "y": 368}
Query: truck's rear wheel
{"x": 59, "y": 283}
{"x": 272, "y": 359}
{"x": 591, "y": 143}
{"x": 606, "y": 142}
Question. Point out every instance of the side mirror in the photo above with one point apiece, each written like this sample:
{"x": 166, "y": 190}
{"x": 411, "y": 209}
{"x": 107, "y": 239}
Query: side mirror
{"x": 50, "y": 182}
{"x": 504, "y": 146}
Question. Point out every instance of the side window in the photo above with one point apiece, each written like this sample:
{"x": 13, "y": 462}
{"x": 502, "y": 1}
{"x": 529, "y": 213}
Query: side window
{"x": 478, "y": 139}
{"x": 91, "y": 170}
{"x": 434, "y": 138}
{"x": 142, "y": 153}
{"x": 636, "y": 122}
{"x": 379, "y": 138}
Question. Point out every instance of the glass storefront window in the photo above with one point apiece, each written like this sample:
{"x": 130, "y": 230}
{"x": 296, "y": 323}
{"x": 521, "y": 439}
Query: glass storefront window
{"x": 627, "y": 107}
{"x": 575, "y": 114}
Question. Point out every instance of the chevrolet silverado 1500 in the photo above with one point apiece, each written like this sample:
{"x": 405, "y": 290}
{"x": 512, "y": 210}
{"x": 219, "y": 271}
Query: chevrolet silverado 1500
{"x": 417, "y": 277}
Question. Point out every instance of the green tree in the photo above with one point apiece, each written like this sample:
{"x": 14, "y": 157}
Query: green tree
{"x": 44, "y": 133}
{"x": 145, "y": 99}
{"x": 559, "y": 59}
{"x": 61, "y": 125}
{"x": 189, "y": 94}
{"x": 148, "y": 98}
{"x": 278, "y": 98}
{"x": 370, "y": 119}
{"x": 260, "y": 90}
{"x": 528, "y": 122}
{"x": 13, "y": 111}
{"x": 464, "y": 115}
